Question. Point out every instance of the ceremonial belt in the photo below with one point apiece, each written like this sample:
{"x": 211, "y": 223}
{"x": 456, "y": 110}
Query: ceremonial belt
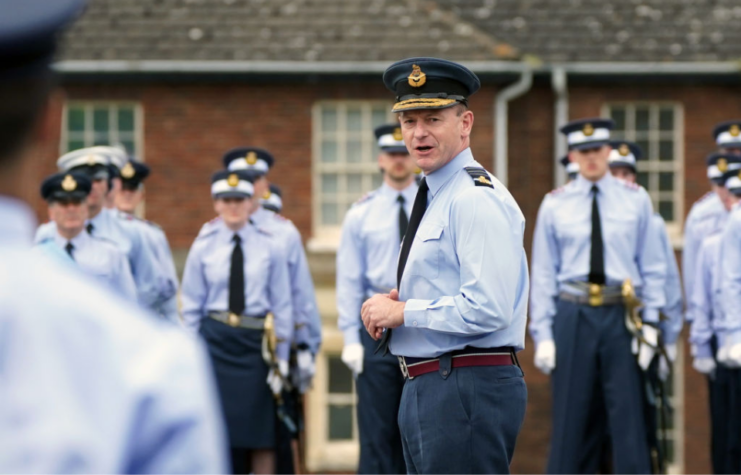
{"x": 501, "y": 356}
{"x": 595, "y": 295}
{"x": 239, "y": 321}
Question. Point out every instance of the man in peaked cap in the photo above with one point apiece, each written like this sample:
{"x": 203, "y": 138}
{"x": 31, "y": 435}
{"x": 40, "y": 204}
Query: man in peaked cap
{"x": 366, "y": 265}
{"x": 457, "y": 315}
{"x": 90, "y": 383}
{"x": 593, "y": 240}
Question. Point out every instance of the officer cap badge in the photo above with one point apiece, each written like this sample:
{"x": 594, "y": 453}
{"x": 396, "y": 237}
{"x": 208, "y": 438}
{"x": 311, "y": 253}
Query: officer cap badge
{"x": 624, "y": 150}
{"x": 397, "y": 134}
{"x": 734, "y": 130}
{"x": 722, "y": 165}
{"x": 588, "y": 129}
{"x": 417, "y": 78}
{"x": 128, "y": 171}
{"x": 232, "y": 180}
{"x": 69, "y": 183}
{"x": 251, "y": 158}
{"x": 91, "y": 160}
{"x": 266, "y": 195}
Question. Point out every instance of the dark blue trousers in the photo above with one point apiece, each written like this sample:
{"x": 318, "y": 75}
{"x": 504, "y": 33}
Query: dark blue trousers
{"x": 725, "y": 416}
{"x": 597, "y": 390}
{"x": 379, "y": 389}
{"x": 464, "y": 422}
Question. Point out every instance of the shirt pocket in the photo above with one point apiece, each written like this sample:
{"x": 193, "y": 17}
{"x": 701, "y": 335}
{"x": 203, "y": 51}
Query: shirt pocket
{"x": 424, "y": 258}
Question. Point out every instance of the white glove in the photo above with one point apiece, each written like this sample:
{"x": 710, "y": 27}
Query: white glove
{"x": 647, "y": 352}
{"x": 545, "y": 356}
{"x": 664, "y": 365}
{"x": 722, "y": 355}
{"x": 704, "y": 365}
{"x": 352, "y": 356}
{"x": 275, "y": 380}
{"x": 306, "y": 368}
{"x": 734, "y": 356}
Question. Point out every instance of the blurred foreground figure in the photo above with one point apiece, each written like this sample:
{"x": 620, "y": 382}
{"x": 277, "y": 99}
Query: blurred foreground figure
{"x": 90, "y": 384}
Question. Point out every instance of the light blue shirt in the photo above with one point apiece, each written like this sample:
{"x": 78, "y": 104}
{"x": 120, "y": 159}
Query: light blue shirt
{"x": 673, "y": 307}
{"x": 91, "y": 384}
{"x": 706, "y": 217}
{"x": 368, "y": 255}
{"x": 465, "y": 282}
{"x": 562, "y": 243}
{"x": 167, "y": 305}
{"x": 205, "y": 285}
{"x": 100, "y": 259}
{"x": 705, "y": 306}
{"x": 731, "y": 277}
{"x": 307, "y": 322}
{"x": 129, "y": 240}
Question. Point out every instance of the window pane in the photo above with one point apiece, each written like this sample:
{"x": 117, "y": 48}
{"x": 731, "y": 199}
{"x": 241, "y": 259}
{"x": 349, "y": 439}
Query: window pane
{"x": 329, "y": 184}
{"x": 666, "y": 181}
{"x": 340, "y": 422}
{"x": 378, "y": 116}
{"x": 329, "y": 120}
{"x": 340, "y": 377}
{"x": 100, "y": 120}
{"x": 354, "y": 119}
{"x": 666, "y": 210}
{"x": 618, "y": 115}
{"x": 101, "y": 139}
{"x": 666, "y": 119}
{"x": 329, "y": 214}
{"x": 76, "y": 119}
{"x": 126, "y": 119}
{"x": 643, "y": 179}
{"x": 355, "y": 183}
{"x": 641, "y": 118}
{"x": 329, "y": 151}
{"x": 644, "y": 147}
{"x": 129, "y": 146}
{"x": 617, "y": 135}
{"x": 74, "y": 145}
{"x": 354, "y": 151}
{"x": 666, "y": 150}
{"x": 377, "y": 180}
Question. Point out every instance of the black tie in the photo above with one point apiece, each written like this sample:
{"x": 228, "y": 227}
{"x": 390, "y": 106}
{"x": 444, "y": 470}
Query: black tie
{"x": 596, "y": 255}
{"x": 403, "y": 220}
{"x": 90, "y": 228}
{"x": 69, "y": 248}
{"x": 236, "y": 278}
{"x": 418, "y": 210}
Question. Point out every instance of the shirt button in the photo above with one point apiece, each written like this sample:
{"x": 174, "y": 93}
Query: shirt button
{"x": 445, "y": 372}
{"x": 414, "y": 323}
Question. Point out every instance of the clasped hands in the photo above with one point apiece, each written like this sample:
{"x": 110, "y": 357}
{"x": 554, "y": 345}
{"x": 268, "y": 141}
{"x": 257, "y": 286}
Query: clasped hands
{"x": 382, "y": 311}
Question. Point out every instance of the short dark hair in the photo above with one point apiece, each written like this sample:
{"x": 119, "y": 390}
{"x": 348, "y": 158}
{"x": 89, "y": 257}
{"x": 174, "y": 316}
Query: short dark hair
{"x": 22, "y": 101}
{"x": 460, "y": 108}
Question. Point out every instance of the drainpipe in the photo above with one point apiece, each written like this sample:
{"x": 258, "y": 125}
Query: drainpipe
{"x": 501, "y": 106}
{"x": 559, "y": 83}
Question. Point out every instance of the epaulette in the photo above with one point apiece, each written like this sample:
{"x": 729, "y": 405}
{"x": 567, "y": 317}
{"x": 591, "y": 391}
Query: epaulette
{"x": 153, "y": 224}
{"x": 280, "y": 217}
{"x": 629, "y": 185}
{"x": 557, "y": 191}
{"x": 480, "y": 176}
{"x": 262, "y": 230}
{"x": 705, "y": 196}
{"x": 365, "y": 197}
{"x": 209, "y": 228}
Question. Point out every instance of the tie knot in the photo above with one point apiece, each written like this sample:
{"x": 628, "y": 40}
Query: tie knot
{"x": 89, "y": 228}
{"x": 595, "y": 190}
{"x": 236, "y": 239}
{"x": 400, "y": 199}
{"x": 69, "y": 246}
{"x": 423, "y": 184}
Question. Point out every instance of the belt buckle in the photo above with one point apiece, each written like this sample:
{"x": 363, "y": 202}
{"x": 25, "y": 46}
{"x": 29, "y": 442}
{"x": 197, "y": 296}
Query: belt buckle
{"x": 404, "y": 368}
{"x": 595, "y": 295}
{"x": 233, "y": 320}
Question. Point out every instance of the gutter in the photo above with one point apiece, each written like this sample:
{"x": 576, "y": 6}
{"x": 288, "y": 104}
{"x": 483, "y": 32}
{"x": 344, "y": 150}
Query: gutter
{"x": 501, "y": 122}
{"x": 559, "y": 83}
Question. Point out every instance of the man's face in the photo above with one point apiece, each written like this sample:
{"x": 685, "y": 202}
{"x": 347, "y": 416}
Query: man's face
{"x": 234, "y": 211}
{"x": 98, "y": 193}
{"x": 725, "y": 196}
{"x": 69, "y": 215}
{"x": 592, "y": 162}
{"x": 128, "y": 198}
{"x": 435, "y": 136}
{"x": 624, "y": 173}
{"x": 398, "y": 167}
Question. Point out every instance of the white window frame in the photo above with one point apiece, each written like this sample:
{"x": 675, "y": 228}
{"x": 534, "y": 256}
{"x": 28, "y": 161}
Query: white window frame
{"x": 327, "y": 237}
{"x": 89, "y": 132}
{"x": 676, "y": 166}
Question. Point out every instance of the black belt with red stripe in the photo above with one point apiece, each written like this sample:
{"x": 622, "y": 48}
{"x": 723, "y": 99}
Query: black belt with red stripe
{"x": 500, "y": 356}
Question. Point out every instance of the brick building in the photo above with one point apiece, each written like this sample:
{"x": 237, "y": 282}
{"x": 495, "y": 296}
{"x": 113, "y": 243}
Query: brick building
{"x": 180, "y": 81}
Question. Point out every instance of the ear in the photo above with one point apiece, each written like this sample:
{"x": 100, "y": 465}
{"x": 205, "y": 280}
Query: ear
{"x": 467, "y": 123}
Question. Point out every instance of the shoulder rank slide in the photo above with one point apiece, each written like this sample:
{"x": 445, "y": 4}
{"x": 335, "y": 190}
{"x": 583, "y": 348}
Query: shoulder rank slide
{"x": 480, "y": 176}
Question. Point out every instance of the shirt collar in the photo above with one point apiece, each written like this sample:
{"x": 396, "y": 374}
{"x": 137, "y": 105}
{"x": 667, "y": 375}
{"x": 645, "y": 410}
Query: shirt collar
{"x": 603, "y": 183}
{"x": 17, "y": 222}
{"x": 439, "y": 177}
{"x": 77, "y": 241}
{"x": 408, "y": 193}
{"x": 97, "y": 220}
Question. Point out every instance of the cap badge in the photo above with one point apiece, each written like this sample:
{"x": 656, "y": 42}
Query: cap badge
{"x": 232, "y": 180}
{"x": 624, "y": 150}
{"x": 417, "y": 78}
{"x": 251, "y": 158}
{"x": 91, "y": 160}
{"x": 734, "y": 130}
{"x": 69, "y": 183}
{"x": 722, "y": 165}
{"x": 588, "y": 129}
{"x": 128, "y": 171}
{"x": 266, "y": 195}
{"x": 397, "y": 134}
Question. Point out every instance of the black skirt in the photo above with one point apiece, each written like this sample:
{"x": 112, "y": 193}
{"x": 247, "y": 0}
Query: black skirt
{"x": 241, "y": 374}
